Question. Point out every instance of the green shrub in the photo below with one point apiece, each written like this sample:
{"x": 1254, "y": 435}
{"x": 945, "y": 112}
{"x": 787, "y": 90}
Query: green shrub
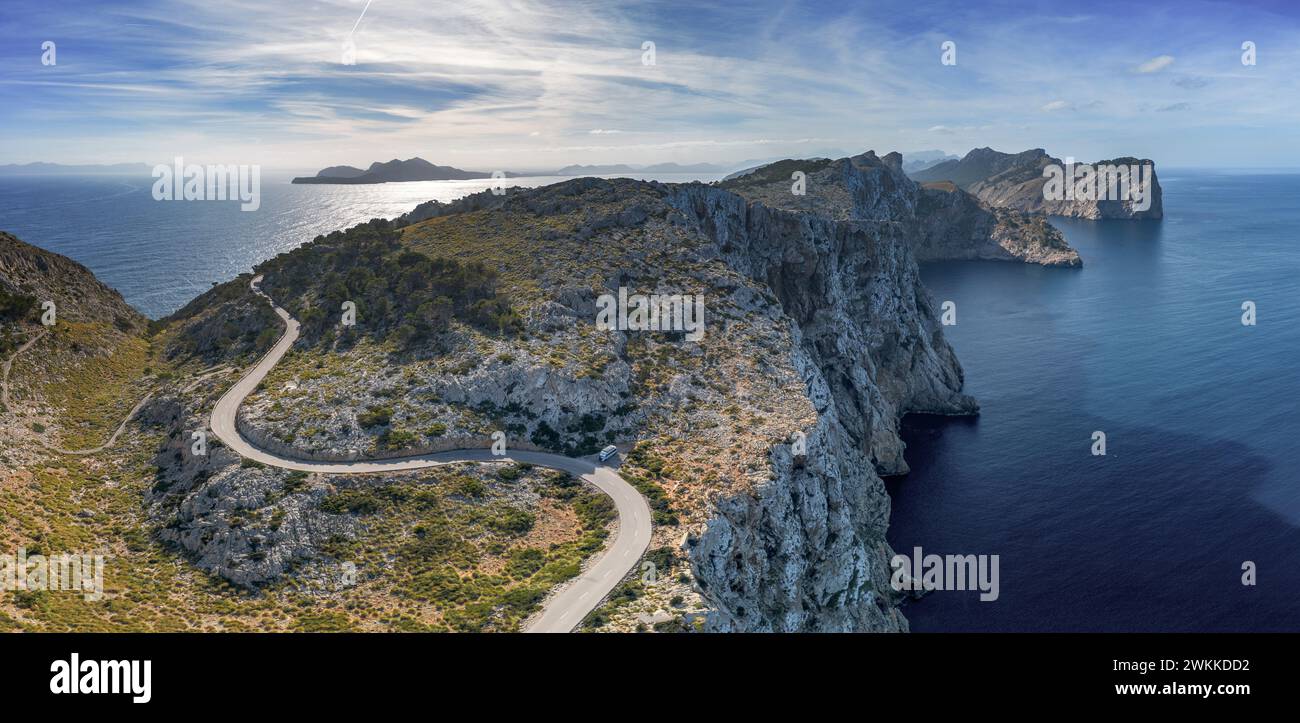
{"x": 546, "y": 437}
{"x": 395, "y": 439}
{"x": 295, "y": 482}
{"x": 512, "y": 521}
{"x": 509, "y": 472}
{"x": 375, "y": 416}
{"x": 357, "y": 502}
{"x": 14, "y": 307}
{"x": 525, "y": 562}
{"x": 468, "y": 486}
{"x": 662, "y": 558}
{"x": 402, "y": 293}
{"x": 595, "y": 511}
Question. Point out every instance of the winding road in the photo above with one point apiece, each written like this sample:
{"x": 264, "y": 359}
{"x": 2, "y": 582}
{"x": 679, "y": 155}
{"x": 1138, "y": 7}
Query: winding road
{"x": 565, "y": 609}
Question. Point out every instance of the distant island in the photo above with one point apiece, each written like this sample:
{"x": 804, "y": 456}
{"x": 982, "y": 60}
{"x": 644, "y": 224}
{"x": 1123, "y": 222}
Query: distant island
{"x": 418, "y": 169}
{"x": 394, "y": 171}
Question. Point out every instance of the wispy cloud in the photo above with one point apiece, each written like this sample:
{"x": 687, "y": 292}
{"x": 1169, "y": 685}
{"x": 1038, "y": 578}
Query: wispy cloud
{"x": 511, "y": 83}
{"x": 1191, "y": 82}
{"x": 1156, "y": 64}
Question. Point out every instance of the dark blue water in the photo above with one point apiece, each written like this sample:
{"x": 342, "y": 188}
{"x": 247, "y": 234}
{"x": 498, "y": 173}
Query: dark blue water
{"x": 1145, "y": 343}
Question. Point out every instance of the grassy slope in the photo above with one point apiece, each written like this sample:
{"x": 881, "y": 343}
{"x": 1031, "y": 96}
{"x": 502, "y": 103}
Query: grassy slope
{"x": 93, "y": 388}
{"x": 464, "y": 554}
{"x": 472, "y": 551}
{"x": 513, "y": 539}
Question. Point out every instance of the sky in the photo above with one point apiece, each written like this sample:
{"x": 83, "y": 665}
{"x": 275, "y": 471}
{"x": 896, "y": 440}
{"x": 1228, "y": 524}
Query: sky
{"x": 518, "y": 85}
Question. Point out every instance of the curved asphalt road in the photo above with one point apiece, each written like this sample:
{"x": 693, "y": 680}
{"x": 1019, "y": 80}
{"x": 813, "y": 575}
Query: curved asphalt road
{"x": 564, "y": 610}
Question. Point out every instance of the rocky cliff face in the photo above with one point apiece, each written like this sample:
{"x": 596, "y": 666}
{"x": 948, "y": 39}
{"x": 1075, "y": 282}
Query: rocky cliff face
{"x": 33, "y": 273}
{"x": 938, "y": 220}
{"x": 1017, "y": 181}
{"x": 954, "y": 225}
{"x": 807, "y": 551}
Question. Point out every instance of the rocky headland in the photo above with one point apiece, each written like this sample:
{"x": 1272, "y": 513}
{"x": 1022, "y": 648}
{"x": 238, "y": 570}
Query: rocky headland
{"x": 938, "y": 220}
{"x": 1017, "y": 181}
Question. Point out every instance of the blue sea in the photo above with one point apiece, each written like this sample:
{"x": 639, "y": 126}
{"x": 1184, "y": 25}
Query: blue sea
{"x": 1144, "y": 343}
{"x": 161, "y": 254}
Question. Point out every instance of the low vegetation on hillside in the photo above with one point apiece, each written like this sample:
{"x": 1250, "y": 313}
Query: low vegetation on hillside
{"x": 472, "y": 550}
{"x": 398, "y": 293}
{"x": 15, "y": 308}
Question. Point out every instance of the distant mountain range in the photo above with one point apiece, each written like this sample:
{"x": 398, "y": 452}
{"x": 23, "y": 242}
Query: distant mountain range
{"x": 418, "y": 169}
{"x": 58, "y": 169}
{"x": 915, "y": 161}
{"x": 394, "y": 171}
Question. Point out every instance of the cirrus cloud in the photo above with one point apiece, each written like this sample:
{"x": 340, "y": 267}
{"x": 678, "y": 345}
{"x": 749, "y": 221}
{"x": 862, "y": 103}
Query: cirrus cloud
{"x": 1156, "y": 64}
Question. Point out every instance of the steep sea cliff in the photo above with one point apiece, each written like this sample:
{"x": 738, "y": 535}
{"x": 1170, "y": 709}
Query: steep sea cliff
{"x": 806, "y": 551}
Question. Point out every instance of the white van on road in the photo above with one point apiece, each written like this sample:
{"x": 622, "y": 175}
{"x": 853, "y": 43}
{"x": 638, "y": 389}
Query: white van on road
{"x": 608, "y": 452}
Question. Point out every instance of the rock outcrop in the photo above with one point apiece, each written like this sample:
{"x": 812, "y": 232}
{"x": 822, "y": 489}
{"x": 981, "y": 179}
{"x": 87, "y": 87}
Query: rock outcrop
{"x": 806, "y": 551}
{"x": 938, "y": 220}
{"x": 246, "y": 523}
{"x": 956, "y": 226}
{"x": 852, "y": 287}
{"x": 1017, "y": 181}
{"x": 30, "y": 276}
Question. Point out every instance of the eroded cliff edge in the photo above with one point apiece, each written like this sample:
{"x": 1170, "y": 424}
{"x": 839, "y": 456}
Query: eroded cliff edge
{"x": 943, "y": 220}
{"x": 1016, "y": 181}
{"x": 806, "y": 551}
